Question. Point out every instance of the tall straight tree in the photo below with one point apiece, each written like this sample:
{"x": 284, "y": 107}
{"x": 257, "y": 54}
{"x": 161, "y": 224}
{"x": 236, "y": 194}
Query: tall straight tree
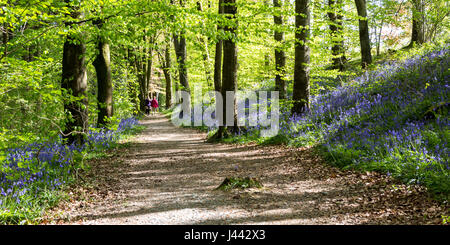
{"x": 364, "y": 39}
{"x": 143, "y": 60}
{"x": 102, "y": 66}
{"x": 5, "y": 37}
{"x": 218, "y": 56}
{"x": 302, "y": 57}
{"x": 166, "y": 63}
{"x": 132, "y": 88}
{"x": 74, "y": 82}
{"x": 337, "y": 49}
{"x": 179, "y": 41}
{"x": 203, "y": 43}
{"x": 280, "y": 55}
{"x": 229, "y": 69}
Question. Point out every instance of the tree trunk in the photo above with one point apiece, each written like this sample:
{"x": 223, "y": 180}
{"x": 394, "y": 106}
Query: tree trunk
{"x": 141, "y": 73}
{"x": 102, "y": 66}
{"x": 266, "y": 70}
{"x": 364, "y": 39}
{"x": 218, "y": 56}
{"x": 143, "y": 63}
{"x": 180, "y": 51}
{"x": 337, "y": 49}
{"x": 379, "y": 38}
{"x": 5, "y": 39}
{"x": 280, "y": 55}
{"x": 132, "y": 91}
{"x": 167, "y": 64}
{"x": 74, "y": 81}
{"x": 204, "y": 46}
{"x": 417, "y": 33}
{"x": 302, "y": 57}
{"x": 149, "y": 57}
{"x": 229, "y": 69}
{"x": 179, "y": 41}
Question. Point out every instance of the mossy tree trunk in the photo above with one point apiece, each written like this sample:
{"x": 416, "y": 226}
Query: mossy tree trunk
{"x": 418, "y": 27}
{"x": 74, "y": 82}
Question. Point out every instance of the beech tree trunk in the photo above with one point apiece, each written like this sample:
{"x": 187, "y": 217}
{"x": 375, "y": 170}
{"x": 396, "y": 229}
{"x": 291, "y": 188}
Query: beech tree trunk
{"x": 132, "y": 88}
{"x": 302, "y": 58}
{"x": 229, "y": 69}
{"x": 180, "y": 51}
{"x": 337, "y": 49}
{"x": 280, "y": 55}
{"x": 364, "y": 39}
{"x": 74, "y": 82}
{"x": 218, "y": 56}
{"x": 204, "y": 46}
{"x": 179, "y": 41}
{"x": 167, "y": 64}
{"x": 102, "y": 66}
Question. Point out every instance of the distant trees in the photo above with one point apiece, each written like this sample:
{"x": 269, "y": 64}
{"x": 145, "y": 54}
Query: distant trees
{"x": 428, "y": 19}
{"x": 142, "y": 60}
{"x": 123, "y": 38}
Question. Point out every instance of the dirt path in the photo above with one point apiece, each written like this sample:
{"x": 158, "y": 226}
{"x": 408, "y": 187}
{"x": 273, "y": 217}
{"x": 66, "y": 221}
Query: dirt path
{"x": 167, "y": 175}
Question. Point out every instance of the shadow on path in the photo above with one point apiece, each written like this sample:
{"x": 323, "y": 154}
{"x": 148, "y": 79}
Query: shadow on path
{"x": 168, "y": 175}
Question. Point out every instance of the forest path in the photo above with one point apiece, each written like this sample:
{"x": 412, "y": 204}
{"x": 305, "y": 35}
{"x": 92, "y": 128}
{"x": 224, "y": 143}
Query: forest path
{"x": 168, "y": 175}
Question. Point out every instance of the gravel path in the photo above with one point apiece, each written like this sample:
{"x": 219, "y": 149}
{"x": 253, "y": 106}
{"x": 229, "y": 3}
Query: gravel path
{"x": 168, "y": 175}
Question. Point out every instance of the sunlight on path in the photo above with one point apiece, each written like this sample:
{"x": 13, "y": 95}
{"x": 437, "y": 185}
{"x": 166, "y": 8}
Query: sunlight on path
{"x": 168, "y": 176}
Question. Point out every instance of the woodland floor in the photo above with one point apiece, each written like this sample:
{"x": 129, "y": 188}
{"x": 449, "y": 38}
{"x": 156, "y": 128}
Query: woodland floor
{"x": 168, "y": 175}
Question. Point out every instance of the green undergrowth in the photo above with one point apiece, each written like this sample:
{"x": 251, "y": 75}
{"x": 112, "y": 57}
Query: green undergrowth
{"x": 239, "y": 183}
{"x": 39, "y": 196}
{"x": 393, "y": 120}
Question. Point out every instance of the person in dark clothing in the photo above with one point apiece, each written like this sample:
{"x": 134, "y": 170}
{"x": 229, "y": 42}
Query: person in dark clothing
{"x": 147, "y": 104}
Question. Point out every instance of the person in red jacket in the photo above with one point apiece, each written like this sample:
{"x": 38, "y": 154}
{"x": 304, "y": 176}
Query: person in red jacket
{"x": 154, "y": 105}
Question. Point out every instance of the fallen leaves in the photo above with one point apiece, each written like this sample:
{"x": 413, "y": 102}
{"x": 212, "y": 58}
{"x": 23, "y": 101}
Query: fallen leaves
{"x": 295, "y": 179}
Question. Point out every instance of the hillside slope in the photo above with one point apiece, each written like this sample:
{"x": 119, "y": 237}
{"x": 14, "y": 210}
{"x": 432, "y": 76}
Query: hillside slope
{"x": 393, "y": 119}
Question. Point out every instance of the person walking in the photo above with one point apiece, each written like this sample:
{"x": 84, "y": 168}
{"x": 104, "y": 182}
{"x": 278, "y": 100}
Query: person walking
{"x": 147, "y": 105}
{"x": 154, "y": 105}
